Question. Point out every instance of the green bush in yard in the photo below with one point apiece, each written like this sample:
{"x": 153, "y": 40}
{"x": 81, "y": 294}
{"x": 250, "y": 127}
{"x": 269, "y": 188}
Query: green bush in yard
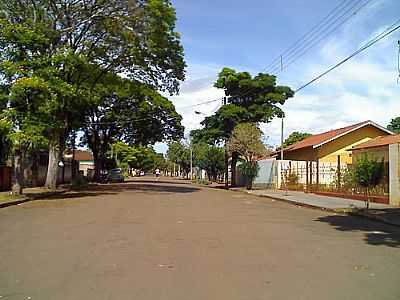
{"x": 249, "y": 169}
{"x": 79, "y": 182}
{"x": 368, "y": 174}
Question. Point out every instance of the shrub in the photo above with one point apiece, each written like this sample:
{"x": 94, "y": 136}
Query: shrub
{"x": 79, "y": 182}
{"x": 249, "y": 169}
{"x": 368, "y": 174}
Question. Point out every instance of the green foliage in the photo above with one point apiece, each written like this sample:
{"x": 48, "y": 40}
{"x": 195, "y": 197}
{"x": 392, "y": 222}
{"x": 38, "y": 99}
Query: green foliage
{"x": 209, "y": 158}
{"x": 58, "y": 55}
{"x": 246, "y": 140}
{"x": 250, "y": 100}
{"x": 291, "y": 179}
{"x": 249, "y": 169}
{"x": 368, "y": 174}
{"x": 79, "y": 182}
{"x": 179, "y": 154}
{"x": 394, "y": 125}
{"x": 141, "y": 158}
{"x": 295, "y": 137}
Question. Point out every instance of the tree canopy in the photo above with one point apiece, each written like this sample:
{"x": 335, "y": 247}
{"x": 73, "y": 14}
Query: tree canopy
{"x": 246, "y": 140}
{"x": 249, "y": 99}
{"x": 394, "y": 125}
{"x": 62, "y": 50}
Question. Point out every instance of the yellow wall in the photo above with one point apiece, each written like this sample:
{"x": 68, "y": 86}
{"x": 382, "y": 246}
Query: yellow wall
{"x": 330, "y": 151}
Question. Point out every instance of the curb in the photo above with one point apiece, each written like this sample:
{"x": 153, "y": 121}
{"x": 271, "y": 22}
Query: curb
{"x": 343, "y": 211}
{"x": 25, "y": 199}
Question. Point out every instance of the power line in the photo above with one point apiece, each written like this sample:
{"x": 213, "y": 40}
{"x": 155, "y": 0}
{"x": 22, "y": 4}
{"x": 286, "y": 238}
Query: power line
{"x": 126, "y": 121}
{"x": 319, "y": 38}
{"x": 372, "y": 42}
{"x": 316, "y": 37}
{"x": 321, "y": 22}
{"x": 199, "y": 104}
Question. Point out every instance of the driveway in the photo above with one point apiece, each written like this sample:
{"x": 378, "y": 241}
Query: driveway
{"x": 161, "y": 240}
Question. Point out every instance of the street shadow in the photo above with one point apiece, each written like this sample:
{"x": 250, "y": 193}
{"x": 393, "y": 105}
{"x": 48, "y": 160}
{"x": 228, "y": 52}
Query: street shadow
{"x": 144, "y": 188}
{"x": 166, "y": 181}
{"x": 71, "y": 195}
{"x": 375, "y": 233}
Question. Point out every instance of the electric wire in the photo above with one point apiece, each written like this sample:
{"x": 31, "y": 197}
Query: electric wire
{"x": 372, "y": 42}
{"x": 318, "y": 37}
{"x": 304, "y": 36}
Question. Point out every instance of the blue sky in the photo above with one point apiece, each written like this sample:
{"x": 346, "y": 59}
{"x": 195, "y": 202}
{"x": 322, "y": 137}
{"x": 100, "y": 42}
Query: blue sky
{"x": 248, "y": 37}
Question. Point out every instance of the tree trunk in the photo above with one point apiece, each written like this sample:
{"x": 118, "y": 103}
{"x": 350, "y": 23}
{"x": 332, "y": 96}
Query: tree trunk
{"x": 18, "y": 173}
{"x": 234, "y": 160}
{"x": 35, "y": 169}
{"x": 97, "y": 166}
{"x": 54, "y": 158}
{"x": 226, "y": 167}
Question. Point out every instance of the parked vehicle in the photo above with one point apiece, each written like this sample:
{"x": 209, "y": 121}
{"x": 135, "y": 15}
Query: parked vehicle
{"x": 115, "y": 175}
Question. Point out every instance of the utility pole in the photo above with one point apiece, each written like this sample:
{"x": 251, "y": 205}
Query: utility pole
{"x": 226, "y": 156}
{"x": 282, "y": 139}
{"x": 191, "y": 162}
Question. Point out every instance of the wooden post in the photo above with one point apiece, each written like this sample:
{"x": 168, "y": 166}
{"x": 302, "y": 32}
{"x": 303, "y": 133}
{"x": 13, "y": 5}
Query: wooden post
{"x": 338, "y": 173}
{"x": 311, "y": 175}
{"x": 318, "y": 174}
{"x": 307, "y": 179}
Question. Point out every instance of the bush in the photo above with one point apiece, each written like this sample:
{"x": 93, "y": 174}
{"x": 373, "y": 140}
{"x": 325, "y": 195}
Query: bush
{"x": 368, "y": 174}
{"x": 249, "y": 169}
{"x": 79, "y": 182}
{"x": 291, "y": 179}
{"x": 202, "y": 181}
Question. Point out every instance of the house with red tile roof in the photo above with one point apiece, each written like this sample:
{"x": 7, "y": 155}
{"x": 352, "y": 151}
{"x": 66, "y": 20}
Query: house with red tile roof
{"x": 85, "y": 159}
{"x": 333, "y": 146}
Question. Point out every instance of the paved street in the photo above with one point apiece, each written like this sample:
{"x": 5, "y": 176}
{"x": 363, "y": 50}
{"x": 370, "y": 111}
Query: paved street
{"x": 156, "y": 241}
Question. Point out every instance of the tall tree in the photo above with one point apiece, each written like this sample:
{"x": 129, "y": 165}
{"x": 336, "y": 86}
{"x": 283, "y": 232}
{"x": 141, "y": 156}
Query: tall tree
{"x": 246, "y": 140}
{"x": 249, "y": 99}
{"x": 394, "y": 125}
{"x": 130, "y": 112}
{"x": 72, "y": 44}
{"x": 209, "y": 158}
{"x": 179, "y": 154}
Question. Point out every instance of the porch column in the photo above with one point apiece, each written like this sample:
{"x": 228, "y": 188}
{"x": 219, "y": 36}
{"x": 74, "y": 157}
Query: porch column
{"x": 317, "y": 174}
{"x": 307, "y": 179}
{"x": 338, "y": 173}
{"x": 394, "y": 174}
{"x": 311, "y": 175}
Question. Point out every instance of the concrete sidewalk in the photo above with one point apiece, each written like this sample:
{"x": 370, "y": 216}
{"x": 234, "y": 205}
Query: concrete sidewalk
{"x": 378, "y": 212}
{"x": 317, "y": 201}
{"x": 30, "y": 194}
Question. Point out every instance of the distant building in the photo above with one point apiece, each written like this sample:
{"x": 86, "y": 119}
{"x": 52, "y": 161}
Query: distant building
{"x": 85, "y": 159}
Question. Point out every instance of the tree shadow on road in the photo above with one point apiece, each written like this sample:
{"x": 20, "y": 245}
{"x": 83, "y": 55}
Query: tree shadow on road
{"x": 375, "y": 233}
{"x": 72, "y": 195}
{"x": 145, "y": 188}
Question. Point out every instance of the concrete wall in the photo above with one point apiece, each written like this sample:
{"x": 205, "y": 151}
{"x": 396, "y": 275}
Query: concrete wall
{"x": 394, "y": 174}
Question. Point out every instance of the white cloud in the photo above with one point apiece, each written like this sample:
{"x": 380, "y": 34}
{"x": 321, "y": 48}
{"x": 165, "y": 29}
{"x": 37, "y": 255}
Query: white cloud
{"x": 361, "y": 89}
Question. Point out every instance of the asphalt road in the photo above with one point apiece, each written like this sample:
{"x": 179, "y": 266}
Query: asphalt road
{"x": 159, "y": 241}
